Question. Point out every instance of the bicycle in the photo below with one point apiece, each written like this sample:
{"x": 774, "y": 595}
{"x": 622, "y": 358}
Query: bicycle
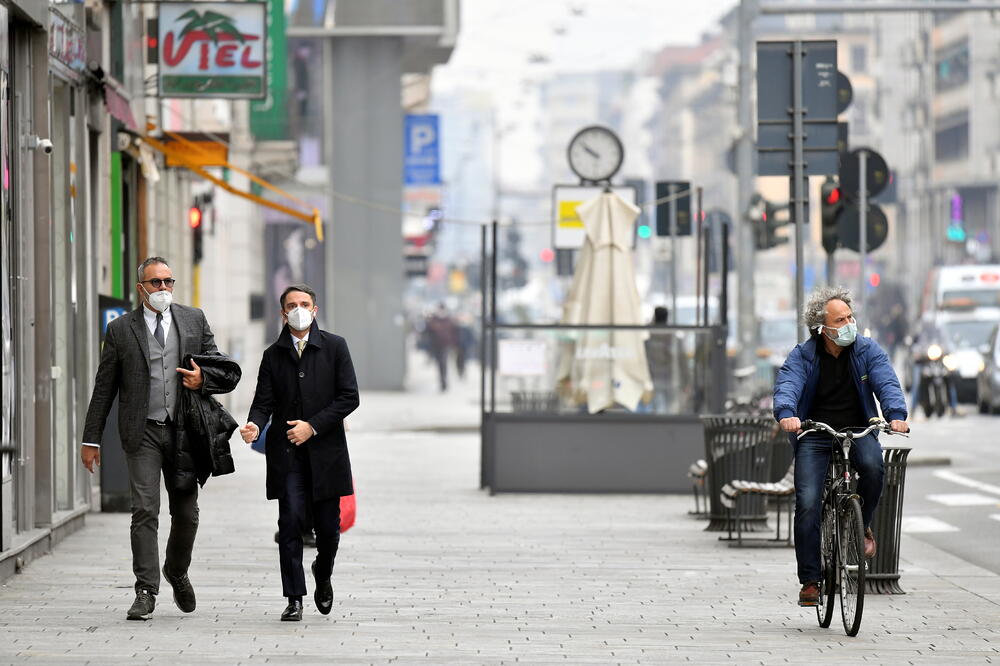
{"x": 842, "y": 531}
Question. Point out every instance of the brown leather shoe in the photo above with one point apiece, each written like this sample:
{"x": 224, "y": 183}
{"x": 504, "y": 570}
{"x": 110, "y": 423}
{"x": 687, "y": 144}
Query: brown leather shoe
{"x": 870, "y": 545}
{"x": 809, "y": 595}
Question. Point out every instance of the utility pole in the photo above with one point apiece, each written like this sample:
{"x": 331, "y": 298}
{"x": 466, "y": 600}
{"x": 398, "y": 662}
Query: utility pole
{"x": 746, "y": 324}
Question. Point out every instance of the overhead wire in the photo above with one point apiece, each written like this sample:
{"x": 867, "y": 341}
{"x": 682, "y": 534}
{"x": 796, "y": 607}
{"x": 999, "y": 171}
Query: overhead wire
{"x": 386, "y": 208}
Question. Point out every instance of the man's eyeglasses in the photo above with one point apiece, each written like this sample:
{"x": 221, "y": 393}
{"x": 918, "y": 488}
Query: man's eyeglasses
{"x": 157, "y": 282}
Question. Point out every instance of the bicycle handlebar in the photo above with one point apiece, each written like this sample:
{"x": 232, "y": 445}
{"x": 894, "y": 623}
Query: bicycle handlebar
{"x": 876, "y": 424}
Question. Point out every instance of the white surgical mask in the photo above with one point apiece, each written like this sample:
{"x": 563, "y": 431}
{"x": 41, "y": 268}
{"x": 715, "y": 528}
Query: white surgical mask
{"x": 846, "y": 334}
{"x": 300, "y": 319}
{"x": 160, "y": 300}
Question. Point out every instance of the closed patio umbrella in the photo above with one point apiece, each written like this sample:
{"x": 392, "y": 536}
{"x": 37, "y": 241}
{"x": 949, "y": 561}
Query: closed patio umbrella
{"x": 606, "y": 367}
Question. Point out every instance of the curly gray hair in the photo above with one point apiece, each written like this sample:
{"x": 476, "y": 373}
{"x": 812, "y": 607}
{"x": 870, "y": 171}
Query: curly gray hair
{"x": 815, "y": 310}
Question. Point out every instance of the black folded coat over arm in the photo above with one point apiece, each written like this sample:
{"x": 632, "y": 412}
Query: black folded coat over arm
{"x": 204, "y": 426}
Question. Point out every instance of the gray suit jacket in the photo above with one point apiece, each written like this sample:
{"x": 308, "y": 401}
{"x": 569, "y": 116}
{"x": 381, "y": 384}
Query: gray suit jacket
{"x": 124, "y": 371}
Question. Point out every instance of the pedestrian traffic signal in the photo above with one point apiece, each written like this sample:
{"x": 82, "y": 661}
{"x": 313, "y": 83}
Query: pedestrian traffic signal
{"x": 831, "y": 204}
{"x": 194, "y": 217}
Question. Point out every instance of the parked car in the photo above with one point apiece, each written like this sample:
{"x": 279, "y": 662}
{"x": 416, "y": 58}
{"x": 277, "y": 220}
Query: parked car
{"x": 988, "y": 381}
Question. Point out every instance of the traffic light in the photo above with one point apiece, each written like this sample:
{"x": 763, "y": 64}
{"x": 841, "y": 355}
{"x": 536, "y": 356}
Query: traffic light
{"x": 764, "y": 218}
{"x": 831, "y": 204}
{"x": 194, "y": 221}
{"x": 152, "y": 42}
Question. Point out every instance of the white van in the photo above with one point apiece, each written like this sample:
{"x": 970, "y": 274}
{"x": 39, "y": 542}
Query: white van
{"x": 955, "y": 288}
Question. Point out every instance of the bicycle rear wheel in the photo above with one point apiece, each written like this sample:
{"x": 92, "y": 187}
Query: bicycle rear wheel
{"x": 828, "y": 565}
{"x": 851, "y": 564}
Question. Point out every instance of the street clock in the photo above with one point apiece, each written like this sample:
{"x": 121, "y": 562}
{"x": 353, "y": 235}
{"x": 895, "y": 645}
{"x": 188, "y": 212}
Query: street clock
{"x": 595, "y": 154}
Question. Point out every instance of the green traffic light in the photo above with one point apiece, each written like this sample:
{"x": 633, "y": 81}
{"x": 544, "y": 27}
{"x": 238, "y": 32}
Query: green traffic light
{"x": 645, "y": 231}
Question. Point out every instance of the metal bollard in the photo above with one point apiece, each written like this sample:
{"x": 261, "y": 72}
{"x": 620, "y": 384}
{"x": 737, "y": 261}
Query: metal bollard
{"x": 883, "y": 570}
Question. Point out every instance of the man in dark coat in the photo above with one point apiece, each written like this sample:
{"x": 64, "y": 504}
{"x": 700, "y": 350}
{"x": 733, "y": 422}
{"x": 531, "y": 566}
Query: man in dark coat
{"x": 140, "y": 363}
{"x": 305, "y": 386}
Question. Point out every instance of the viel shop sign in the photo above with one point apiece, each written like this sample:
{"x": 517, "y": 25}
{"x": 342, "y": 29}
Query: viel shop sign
{"x": 213, "y": 49}
{"x": 421, "y": 154}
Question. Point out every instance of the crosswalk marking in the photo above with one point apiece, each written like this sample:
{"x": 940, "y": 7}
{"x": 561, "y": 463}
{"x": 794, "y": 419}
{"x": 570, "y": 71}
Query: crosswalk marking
{"x": 925, "y": 525}
{"x": 995, "y": 516}
{"x": 967, "y": 482}
{"x": 964, "y": 499}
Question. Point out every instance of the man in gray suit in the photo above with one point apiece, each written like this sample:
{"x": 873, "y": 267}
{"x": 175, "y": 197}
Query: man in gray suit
{"x": 140, "y": 363}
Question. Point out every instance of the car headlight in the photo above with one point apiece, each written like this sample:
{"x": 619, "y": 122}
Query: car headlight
{"x": 934, "y": 352}
{"x": 950, "y": 363}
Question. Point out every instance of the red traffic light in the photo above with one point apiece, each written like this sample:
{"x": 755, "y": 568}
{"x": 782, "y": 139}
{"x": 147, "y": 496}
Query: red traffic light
{"x": 194, "y": 217}
{"x": 874, "y": 279}
{"x": 833, "y": 196}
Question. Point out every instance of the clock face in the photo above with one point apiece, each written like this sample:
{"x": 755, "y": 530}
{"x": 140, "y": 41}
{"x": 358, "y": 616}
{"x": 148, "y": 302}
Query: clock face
{"x": 595, "y": 153}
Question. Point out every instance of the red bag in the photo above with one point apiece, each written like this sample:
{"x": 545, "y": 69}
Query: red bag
{"x": 348, "y": 510}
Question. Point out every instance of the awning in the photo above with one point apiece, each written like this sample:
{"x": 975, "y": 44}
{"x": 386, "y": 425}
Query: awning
{"x": 119, "y": 107}
{"x": 193, "y": 155}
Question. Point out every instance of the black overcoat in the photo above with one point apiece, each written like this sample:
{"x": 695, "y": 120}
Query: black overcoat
{"x": 319, "y": 388}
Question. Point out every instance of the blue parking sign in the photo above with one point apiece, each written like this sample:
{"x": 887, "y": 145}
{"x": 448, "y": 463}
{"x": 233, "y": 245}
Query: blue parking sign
{"x": 421, "y": 153}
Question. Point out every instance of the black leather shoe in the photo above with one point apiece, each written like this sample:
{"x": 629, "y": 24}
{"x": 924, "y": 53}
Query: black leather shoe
{"x": 183, "y": 592}
{"x": 142, "y": 607}
{"x": 323, "y": 596}
{"x": 292, "y": 612}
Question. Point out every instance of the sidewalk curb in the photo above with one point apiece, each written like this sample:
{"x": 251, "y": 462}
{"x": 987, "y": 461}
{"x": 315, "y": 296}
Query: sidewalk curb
{"x": 928, "y": 461}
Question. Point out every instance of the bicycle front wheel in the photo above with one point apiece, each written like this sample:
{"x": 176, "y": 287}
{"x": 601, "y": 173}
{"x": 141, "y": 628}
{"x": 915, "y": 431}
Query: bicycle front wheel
{"x": 828, "y": 565}
{"x": 851, "y": 563}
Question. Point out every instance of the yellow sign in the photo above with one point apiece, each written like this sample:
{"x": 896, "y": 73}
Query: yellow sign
{"x": 567, "y": 227}
{"x": 568, "y": 217}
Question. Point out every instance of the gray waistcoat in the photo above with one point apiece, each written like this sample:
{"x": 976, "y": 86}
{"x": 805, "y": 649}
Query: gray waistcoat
{"x": 163, "y": 375}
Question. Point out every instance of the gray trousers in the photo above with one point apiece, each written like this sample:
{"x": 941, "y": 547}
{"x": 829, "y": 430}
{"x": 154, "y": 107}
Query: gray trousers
{"x": 155, "y": 455}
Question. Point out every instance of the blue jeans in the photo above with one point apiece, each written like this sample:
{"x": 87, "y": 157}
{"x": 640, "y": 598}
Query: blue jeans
{"x": 812, "y": 456}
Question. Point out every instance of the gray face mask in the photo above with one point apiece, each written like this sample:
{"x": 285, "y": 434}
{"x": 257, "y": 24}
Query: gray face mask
{"x": 846, "y": 334}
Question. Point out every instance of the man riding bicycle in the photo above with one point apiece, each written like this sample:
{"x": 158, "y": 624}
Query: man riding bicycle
{"x": 834, "y": 377}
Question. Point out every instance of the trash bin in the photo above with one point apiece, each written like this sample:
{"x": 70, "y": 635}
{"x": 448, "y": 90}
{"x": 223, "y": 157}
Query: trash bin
{"x": 883, "y": 570}
{"x": 737, "y": 448}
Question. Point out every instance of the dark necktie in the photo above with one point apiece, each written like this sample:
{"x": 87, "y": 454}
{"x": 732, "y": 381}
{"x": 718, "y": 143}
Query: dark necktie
{"x": 158, "y": 333}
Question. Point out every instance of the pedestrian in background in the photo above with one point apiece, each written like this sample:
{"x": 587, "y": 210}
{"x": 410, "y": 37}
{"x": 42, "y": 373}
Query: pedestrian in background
{"x": 140, "y": 363}
{"x": 306, "y": 386}
{"x": 442, "y": 336}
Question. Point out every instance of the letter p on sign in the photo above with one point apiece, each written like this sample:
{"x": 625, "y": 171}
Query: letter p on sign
{"x": 421, "y": 136}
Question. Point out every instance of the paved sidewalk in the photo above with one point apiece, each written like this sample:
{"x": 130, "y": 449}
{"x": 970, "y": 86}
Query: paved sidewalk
{"x": 437, "y": 572}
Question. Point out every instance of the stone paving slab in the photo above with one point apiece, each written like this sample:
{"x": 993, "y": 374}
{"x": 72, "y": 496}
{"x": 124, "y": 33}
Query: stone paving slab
{"x": 438, "y": 572}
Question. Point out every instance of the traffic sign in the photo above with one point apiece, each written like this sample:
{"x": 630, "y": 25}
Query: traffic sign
{"x": 849, "y": 227}
{"x": 878, "y": 172}
{"x": 421, "y": 150}
{"x": 775, "y": 105}
{"x": 845, "y": 92}
{"x": 682, "y": 190}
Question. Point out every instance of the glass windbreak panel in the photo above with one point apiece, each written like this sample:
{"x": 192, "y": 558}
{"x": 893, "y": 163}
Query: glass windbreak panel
{"x": 589, "y": 371}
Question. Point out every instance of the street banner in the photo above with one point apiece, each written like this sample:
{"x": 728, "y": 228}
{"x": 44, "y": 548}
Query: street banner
{"x": 421, "y": 150}
{"x": 213, "y": 49}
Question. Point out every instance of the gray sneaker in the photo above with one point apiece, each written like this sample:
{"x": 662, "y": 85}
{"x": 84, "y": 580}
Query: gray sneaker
{"x": 142, "y": 607}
